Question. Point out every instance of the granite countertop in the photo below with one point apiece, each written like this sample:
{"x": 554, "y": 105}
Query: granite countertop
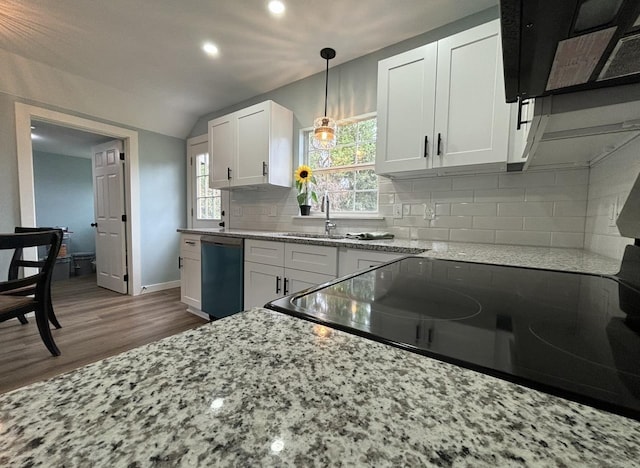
{"x": 265, "y": 389}
{"x": 534, "y": 257}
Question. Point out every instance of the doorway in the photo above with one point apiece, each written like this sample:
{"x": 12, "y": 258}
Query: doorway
{"x": 25, "y": 114}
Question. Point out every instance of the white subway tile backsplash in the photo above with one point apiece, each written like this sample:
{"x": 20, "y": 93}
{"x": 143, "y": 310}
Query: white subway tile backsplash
{"x": 527, "y": 179}
{"x": 386, "y": 199}
{"x": 574, "y": 193}
{"x": 474, "y": 209}
{"x": 435, "y": 234}
{"x": 443, "y": 209}
{"x": 458, "y": 196}
{"x": 496, "y": 222}
{"x": 570, "y": 208}
{"x": 542, "y": 239}
{"x": 567, "y": 239}
{"x": 452, "y": 222}
{"x": 574, "y": 177}
{"x": 472, "y": 235}
{"x": 476, "y": 182}
{"x": 575, "y": 224}
{"x": 432, "y": 184}
{"x": 525, "y": 209}
{"x": 499, "y": 195}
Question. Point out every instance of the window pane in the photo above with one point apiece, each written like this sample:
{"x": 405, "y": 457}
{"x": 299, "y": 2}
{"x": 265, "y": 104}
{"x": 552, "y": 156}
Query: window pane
{"x": 343, "y": 156}
{"x": 350, "y": 189}
{"x": 347, "y": 134}
{"x": 366, "y": 153}
{"x": 366, "y": 201}
{"x": 319, "y": 159}
{"x": 367, "y": 130}
{"x": 334, "y": 181}
{"x": 203, "y": 186}
{"x": 366, "y": 180}
{"x": 342, "y": 201}
{"x": 217, "y": 202}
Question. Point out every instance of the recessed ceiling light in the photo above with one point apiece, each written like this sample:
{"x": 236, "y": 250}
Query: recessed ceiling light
{"x": 211, "y": 49}
{"x": 276, "y": 7}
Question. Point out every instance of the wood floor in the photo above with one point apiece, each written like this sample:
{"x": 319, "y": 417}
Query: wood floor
{"x": 96, "y": 323}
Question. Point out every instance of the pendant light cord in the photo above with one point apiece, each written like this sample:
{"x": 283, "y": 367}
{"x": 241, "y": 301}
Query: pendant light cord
{"x": 326, "y": 88}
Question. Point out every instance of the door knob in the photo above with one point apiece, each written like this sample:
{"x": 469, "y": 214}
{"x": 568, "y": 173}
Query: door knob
{"x": 94, "y": 224}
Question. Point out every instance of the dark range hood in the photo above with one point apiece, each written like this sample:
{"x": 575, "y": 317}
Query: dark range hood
{"x": 560, "y": 46}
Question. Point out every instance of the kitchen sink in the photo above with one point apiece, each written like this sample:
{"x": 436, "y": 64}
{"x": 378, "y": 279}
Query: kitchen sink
{"x": 311, "y": 235}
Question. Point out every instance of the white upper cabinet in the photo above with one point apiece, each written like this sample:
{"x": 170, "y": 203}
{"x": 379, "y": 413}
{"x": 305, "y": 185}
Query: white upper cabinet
{"x": 441, "y": 107}
{"x": 252, "y": 147}
{"x": 406, "y": 110}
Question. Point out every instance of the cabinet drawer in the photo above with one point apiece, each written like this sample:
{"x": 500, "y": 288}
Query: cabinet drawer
{"x": 265, "y": 252}
{"x": 312, "y": 258}
{"x": 190, "y": 245}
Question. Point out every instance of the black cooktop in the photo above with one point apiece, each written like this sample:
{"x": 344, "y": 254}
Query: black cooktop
{"x": 570, "y": 334}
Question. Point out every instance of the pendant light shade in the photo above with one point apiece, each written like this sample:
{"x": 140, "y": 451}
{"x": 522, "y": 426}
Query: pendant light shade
{"x": 325, "y": 128}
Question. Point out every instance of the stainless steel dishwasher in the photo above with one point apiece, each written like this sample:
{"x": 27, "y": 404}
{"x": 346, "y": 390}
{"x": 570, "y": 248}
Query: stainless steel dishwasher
{"x": 222, "y": 275}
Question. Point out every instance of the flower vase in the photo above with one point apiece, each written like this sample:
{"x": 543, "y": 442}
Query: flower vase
{"x": 305, "y": 210}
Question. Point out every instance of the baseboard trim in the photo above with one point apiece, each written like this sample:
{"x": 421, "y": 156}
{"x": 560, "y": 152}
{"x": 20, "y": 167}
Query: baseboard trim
{"x": 199, "y": 313}
{"x": 160, "y": 287}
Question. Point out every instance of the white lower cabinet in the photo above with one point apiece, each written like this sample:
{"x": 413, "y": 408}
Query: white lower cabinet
{"x": 353, "y": 260}
{"x": 268, "y": 272}
{"x": 190, "y": 282}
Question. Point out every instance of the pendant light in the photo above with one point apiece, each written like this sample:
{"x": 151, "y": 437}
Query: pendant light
{"x": 324, "y": 128}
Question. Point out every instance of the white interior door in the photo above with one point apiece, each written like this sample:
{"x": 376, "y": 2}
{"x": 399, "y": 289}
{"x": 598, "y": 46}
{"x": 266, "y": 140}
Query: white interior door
{"x": 108, "y": 188}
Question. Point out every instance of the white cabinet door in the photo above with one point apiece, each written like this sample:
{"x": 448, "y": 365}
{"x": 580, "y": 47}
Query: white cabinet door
{"x": 406, "y": 105}
{"x": 252, "y": 147}
{"x": 190, "y": 274}
{"x": 252, "y": 140}
{"x": 221, "y": 151}
{"x": 297, "y": 280}
{"x": 262, "y": 283}
{"x": 472, "y": 117}
{"x": 190, "y": 284}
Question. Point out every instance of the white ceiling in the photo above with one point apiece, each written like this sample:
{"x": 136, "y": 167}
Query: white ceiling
{"x": 152, "y": 48}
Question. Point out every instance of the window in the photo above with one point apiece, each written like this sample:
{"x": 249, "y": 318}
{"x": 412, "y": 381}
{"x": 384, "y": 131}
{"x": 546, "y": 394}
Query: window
{"x": 347, "y": 171}
{"x": 203, "y": 203}
{"x": 207, "y": 199}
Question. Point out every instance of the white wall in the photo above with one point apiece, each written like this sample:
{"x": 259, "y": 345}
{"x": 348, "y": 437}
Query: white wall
{"x": 610, "y": 181}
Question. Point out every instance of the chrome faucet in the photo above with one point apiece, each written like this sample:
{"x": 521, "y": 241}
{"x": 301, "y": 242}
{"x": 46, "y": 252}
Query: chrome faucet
{"x": 328, "y": 224}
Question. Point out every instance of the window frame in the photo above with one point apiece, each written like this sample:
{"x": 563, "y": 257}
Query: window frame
{"x": 303, "y": 159}
{"x": 195, "y": 147}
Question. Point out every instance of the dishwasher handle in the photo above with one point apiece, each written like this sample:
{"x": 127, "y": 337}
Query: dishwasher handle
{"x": 233, "y": 242}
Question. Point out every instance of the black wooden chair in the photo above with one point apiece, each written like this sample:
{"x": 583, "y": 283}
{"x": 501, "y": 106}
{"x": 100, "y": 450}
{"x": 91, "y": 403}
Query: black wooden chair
{"x": 18, "y": 262}
{"x": 13, "y": 306}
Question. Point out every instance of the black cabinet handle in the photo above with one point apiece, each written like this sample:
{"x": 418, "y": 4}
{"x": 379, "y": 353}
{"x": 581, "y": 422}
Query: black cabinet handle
{"x": 439, "y": 144}
{"x": 179, "y": 263}
{"x": 521, "y": 104}
{"x": 94, "y": 224}
{"x": 265, "y": 168}
{"x": 426, "y": 146}
{"x": 228, "y": 173}
{"x": 277, "y": 285}
{"x": 286, "y": 286}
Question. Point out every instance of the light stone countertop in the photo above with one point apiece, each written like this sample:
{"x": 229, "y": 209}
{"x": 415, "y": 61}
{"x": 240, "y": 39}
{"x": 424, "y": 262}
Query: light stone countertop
{"x": 578, "y": 260}
{"x": 262, "y": 388}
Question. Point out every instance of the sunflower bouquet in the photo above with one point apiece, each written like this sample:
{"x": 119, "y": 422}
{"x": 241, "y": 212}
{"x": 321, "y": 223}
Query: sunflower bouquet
{"x": 304, "y": 183}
